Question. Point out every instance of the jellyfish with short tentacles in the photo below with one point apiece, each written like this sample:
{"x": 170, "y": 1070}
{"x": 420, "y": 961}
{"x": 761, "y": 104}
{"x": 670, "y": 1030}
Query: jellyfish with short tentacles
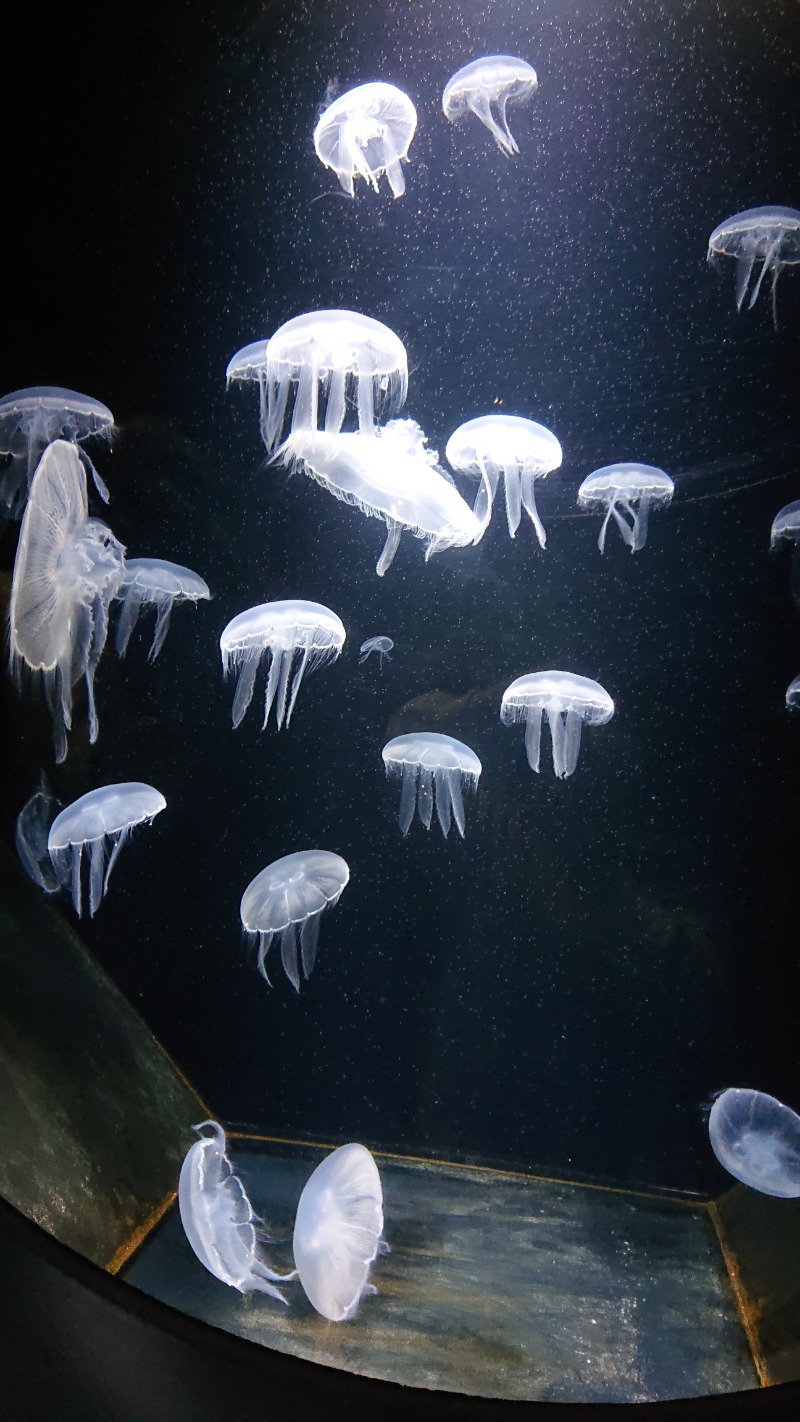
{"x": 567, "y": 701}
{"x": 340, "y": 355}
{"x": 286, "y": 630}
{"x": 434, "y": 769}
{"x": 153, "y": 582}
{"x": 757, "y": 1140}
{"x": 510, "y": 447}
{"x": 769, "y": 235}
{"x": 31, "y": 419}
{"x": 632, "y": 489}
{"x": 100, "y": 820}
{"x": 793, "y": 695}
{"x": 286, "y": 901}
{"x": 380, "y": 646}
{"x": 338, "y": 1231}
{"x": 366, "y": 133}
{"x": 485, "y": 87}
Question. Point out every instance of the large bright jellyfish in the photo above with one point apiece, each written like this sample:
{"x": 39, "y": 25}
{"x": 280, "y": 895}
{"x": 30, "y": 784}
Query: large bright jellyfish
{"x": 337, "y": 1231}
{"x": 567, "y": 701}
{"x": 366, "y": 133}
{"x": 632, "y": 489}
{"x": 68, "y": 569}
{"x": 286, "y": 630}
{"x": 153, "y": 582}
{"x": 31, "y": 419}
{"x": 511, "y": 448}
{"x": 286, "y": 901}
{"x": 485, "y": 87}
{"x": 97, "y": 822}
{"x": 433, "y": 768}
{"x": 757, "y": 1139}
{"x": 769, "y": 235}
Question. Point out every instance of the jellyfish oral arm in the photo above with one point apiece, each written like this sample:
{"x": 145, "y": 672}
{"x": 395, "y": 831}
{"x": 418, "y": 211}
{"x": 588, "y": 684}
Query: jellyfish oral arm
{"x": 528, "y": 485}
{"x": 392, "y": 165}
{"x": 744, "y": 271}
{"x": 480, "y": 104}
{"x": 533, "y": 736}
{"x": 393, "y": 532}
{"x": 408, "y": 796}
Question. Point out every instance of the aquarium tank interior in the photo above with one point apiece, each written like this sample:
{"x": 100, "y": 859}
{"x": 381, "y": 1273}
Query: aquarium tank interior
{"x": 400, "y": 558}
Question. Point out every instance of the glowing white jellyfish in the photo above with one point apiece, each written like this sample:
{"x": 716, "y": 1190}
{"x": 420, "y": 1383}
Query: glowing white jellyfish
{"x": 757, "y": 1139}
{"x": 786, "y": 530}
{"x": 433, "y": 768}
{"x": 218, "y": 1219}
{"x": 337, "y": 1231}
{"x": 98, "y": 822}
{"x": 152, "y": 582}
{"x": 31, "y": 419}
{"x": 769, "y": 235}
{"x": 391, "y": 476}
{"x": 632, "y": 489}
{"x": 286, "y": 901}
{"x": 567, "y": 701}
{"x": 287, "y": 630}
{"x": 365, "y": 133}
{"x": 68, "y": 569}
{"x": 485, "y": 87}
{"x": 793, "y": 695}
{"x": 507, "y": 447}
{"x": 339, "y": 354}
{"x": 381, "y": 646}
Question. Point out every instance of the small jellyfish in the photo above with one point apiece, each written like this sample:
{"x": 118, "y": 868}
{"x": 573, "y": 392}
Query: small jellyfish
{"x": 155, "y": 583}
{"x": 632, "y": 489}
{"x": 365, "y": 133}
{"x": 770, "y": 235}
{"x": 33, "y": 418}
{"x": 283, "y": 629}
{"x": 793, "y": 695}
{"x": 786, "y": 529}
{"x": 382, "y": 645}
{"x": 218, "y": 1219}
{"x": 337, "y": 1231}
{"x": 33, "y": 827}
{"x": 286, "y": 900}
{"x": 507, "y": 446}
{"x": 101, "y": 819}
{"x": 567, "y": 701}
{"x": 498, "y": 79}
{"x": 336, "y": 353}
{"x": 757, "y": 1139}
{"x": 432, "y": 767}
{"x": 67, "y": 571}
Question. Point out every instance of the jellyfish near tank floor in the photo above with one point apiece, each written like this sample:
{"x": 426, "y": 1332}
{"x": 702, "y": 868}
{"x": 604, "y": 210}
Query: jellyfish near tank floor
{"x": 293, "y": 632}
{"x": 757, "y": 1140}
{"x": 99, "y": 821}
{"x": 337, "y": 1231}
{"x": 433, "y": 769}
{"x": 567, "y": 701}
{"x": 286, "y": 901}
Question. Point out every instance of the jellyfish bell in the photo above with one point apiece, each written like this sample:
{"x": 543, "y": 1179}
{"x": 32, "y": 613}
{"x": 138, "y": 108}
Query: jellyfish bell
{"x": 381, "y": 646}
{"x": 786, "y": 526}
{"x": 769, "y": 235}
{"x": 632, "y": 489}
{"x": 31, "y": 833}
{"x": 154, "y": 582}
{"x": 485, "y": 87}
{"x": 286, "y": 901}
{"x": 366, "y": 133}
{"x": 793, "y": 695}
{"x": 511, "y": 448}
{"x": 568, "y": 701}
{"x": 293, "y": 632}
{"x": 337, "y": 1231}
{"x": 434, "y": 769}
{"x": 757, "y": 1140}
{"x": 98, "y": 822}
{"x": 31, "y": 419}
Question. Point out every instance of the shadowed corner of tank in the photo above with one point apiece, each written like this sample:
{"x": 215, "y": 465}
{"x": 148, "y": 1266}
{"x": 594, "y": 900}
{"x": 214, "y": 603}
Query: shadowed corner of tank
{"x": 749, "y": 1313}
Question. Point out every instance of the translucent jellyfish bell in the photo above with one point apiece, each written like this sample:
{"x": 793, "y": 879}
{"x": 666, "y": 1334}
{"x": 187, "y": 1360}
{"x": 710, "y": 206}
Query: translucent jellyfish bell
{"x": 68, "y": 569}
{"x": 32, "y": 830}
{"x": 769, "y": 235}
{"x": 786, "y": 529}
{"x": 757, "y": 1139}
{"x": 485, "y": 87}
{"x": 97, "y": 822}
{"x": 152, "y": 582}
{"x": 365, "y": 133}
{"x": 285, "y": 630}
{"x": 381, "y": 646}
{"x": 632, "y": 489}
{"x": 286, "y": 901}
{"x": 517, "y": 450}
{"x": 433, "y": 768}
{"x": 31, "y": 419}
{"x": 568, "y": 701}
{"x": 337, "y": 1231}
{"x": 793, "y": 695}
{"x": 338, "y": 354}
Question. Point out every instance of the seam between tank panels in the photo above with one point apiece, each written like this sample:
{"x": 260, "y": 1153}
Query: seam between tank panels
{"x": 744, "y": 1307}
{"x": 123, "y": 1254}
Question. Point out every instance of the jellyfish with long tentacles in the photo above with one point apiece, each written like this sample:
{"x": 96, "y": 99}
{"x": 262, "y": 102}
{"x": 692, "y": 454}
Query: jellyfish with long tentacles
{"x": 511, "y": 448}
{"x": 568, "y": 702}
{"x": 434, "y": 769}
{"x": 303, "y": 635}
{"x": 286, "y": 901}
{"x": 99, "y": 823}
{"x": 485, "y": 87}
{"x": 769, "y": 235}
{"x": 31, "y": 419}
{"x": 626, "y": 492}
{"x": 379, "y": 646}
{"x": 366, "y": 133}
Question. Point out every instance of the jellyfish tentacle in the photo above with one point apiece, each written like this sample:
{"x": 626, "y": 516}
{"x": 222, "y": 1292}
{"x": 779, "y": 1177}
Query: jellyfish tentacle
{"x": 513, "y": 497}
{"x": 75, "y": 887}
{"x": 441, "y": 790}
{"x": 558, "y": 735}
{"x": 393, "y": 531}
{"x": 425, "y": 795}
{"x": 305, "y": 404}
{"x": 285, "y": 666}
{"x": 278, "y": 656}
{"x": 625, "y": 529}
{"x": 392, "y": 164}
{"x": 365, "y": 395}
{"x": 484, "y": 499}
{"x": 264, "y": 942}
{"x": 276, "y": 393}
{"x": 601, "y": 542}
{"x": 744, "y": 271}
{"x": 335, "y": 408}
{"x": 352, "y": 139}
{"x": 289, "y": 959}
{"x": 456, "y": 799}
{"x": 408, "y": 797}
{"x": 481, "y": 107}
{"x": 163, "y": 616}
{"x": 768, "y": 261}
{"x": 96, "y": 859}
{"x": 245, "y": 684}
{"x": 309, "y": 941}
{"x": 777, "y": 268}
{"x": 574, "y": 724}
{"x": 99, "y": 482}
{"x": 128, "y": 617}
{"x": 528, "y": 487}
{"x": 640, "y": 522}
{"x": 119, "y": 840}
{"x": 502, "y": 123}
{"x": 533, "y": 735}
{"x": 299, "y": 674}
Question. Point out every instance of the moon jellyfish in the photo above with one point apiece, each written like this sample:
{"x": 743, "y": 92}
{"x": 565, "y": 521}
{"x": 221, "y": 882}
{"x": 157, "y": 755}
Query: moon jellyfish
{"x": 382, "y": 645}
{"x": 68, "y": 569}
{"x": 97, "y": 822}
{"x": 33, "y": 827}
{"x": 155, "y": 583}
{"x": 338, "y": 354}
{"x": 512, "y": 448}
{"x": 786, "y": 529}
{"x": 392, "y": 476}
{"x": 497, "y": 79}
{"x": 365, "y": 133}
{"x": 33, "y": 418}
{"x": 793, "y": 695}
{"x": 337, "y": 1231}
{"x": 632, "y": 489}
{"x": 218, "y": 1219}
{"x": 432, "y": 768}
{"x": 769, "y": 235}
{"x": 286, "y": 901}
{"x": 567, "y": 701}
{"x": 286, "y": 630}
{"x": 757, "y": 1139}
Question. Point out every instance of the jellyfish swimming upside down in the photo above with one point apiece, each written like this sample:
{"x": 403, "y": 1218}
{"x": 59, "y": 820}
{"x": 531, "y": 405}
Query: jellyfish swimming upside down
{"x": 567, "y": 701}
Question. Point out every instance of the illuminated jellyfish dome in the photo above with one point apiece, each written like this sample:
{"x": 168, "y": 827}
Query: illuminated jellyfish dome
{"x": 485, "y": 87}
{"x": 757, "y": 1140}
{"x": 510, "y": 448}
{"x": 366, "y": 133}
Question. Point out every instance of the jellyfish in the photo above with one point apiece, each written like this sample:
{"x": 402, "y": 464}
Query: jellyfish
{"x": 382, "y": 645}
{"x": 391, "y": 476}
{"x": 793, "y": 695}
{"x": 769, "y": 235}
{"x": 286, "y": 900}
{"x": 757, "y": 1139}
{"x": 339, "y": 353}
{"x": 498, "y": 79}
{"x": 365, "y": 133}
{"x": 68, "y": 569}
{"x": 283, "y": 629}
{"x": 337, "y": 1231}
{"x": 634, "y": 489}
{"x": 33, "y": 418}
{"x": 153, "y": 582}
{"x": 33, "y": 827}
{"x": 100, "y": 820}
{"x": 218, "y": 1219}
{"x": 507, "y": 446}
{"x": 568, "y": 701}
{"x": 786, "y": 529}
{"x": 432, "y": 767}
